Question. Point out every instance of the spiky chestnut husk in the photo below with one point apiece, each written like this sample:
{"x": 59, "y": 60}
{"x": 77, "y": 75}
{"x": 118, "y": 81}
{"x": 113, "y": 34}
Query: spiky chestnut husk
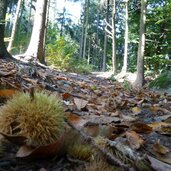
{"x": 80, "y": 151}
{"x": 40, "y": 120}
{"x": 98, "y": 165}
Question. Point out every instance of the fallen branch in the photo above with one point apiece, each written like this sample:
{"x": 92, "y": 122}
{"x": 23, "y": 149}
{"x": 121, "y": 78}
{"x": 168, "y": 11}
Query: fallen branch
{"x": 109, "y": 157}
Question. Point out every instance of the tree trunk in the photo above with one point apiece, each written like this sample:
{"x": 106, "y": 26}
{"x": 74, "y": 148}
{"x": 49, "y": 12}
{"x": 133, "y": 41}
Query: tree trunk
{"x": 86, "y": 28}
{"x": 105, "y": 39}
{"x": 63, "y": 20}
{"x": 36, "y": 45}
{"x": 3, "y": 50}
{"x": 140, "y": 58}
{"x": 82, "y": 34}
{"x": 14, "y": 26}
{"x": 124, "y": 68}
{"x": 113, "y": 38}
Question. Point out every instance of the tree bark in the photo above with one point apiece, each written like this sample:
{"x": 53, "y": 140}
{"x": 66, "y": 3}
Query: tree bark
{"x": 105, "y": 39}
{"x": 125, "y": 63}
{"x": 3, "y": 50}
{"x": 14, "y": 26}
{"x": 86, "y": 28}
{"x": 113, "y": 38}
{"x": 140, "y": 59}
{"x": 82, "y": 34}
{"x": 36, "y": 45}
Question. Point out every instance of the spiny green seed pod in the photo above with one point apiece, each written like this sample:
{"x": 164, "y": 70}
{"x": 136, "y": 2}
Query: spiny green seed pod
{"x": 40, "y": 120}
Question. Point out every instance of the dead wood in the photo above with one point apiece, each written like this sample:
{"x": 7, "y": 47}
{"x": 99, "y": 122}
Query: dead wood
{"x": 109, "y": 157}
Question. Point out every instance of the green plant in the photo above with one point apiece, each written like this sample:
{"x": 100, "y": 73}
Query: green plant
{"x": 62, "y": 54}
{"x": 39, "y": 119}
{"x": 163, "y": 81}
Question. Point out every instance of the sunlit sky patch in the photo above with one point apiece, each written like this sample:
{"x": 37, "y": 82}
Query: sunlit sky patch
{"x": 73, "y": 8}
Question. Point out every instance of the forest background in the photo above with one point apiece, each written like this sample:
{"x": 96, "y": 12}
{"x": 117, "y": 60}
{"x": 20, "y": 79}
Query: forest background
{"x": 110, "y": 35}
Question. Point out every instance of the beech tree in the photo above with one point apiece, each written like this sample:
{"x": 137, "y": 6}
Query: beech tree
{"x": 37, "y": 42}
{"x": 140, "y": 58}
{"x": 3, "y": 8}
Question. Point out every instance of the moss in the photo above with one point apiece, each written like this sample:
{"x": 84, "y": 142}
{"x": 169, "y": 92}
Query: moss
{"x": 163, "y": 81}
{"x": 40, "y": 120}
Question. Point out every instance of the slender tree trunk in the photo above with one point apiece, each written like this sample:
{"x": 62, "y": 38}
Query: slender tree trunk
{"x": 105, "y": 39}
{"x": 86, "y": 28}
{"x": 63, "y": 20}
{"x": 95, "y": 55}
{"x": 82, "y": 34}
{"x": 89, "y": 50}
{"x": 113, "y": 38}
{"x": 14, "y": 26}
{"x": 3, "y": 50}
{"x": 36, "y": 45}
{"x": 124, "y": 68}
{"x": 140, "y": 58}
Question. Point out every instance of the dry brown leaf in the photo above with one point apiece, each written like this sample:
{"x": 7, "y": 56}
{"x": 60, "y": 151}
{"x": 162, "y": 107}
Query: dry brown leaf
{"x": 18, "y": 140}
{"x": 92, "y": 130}
{"x": 165, "y": 129}
{"x": 160, "y": 148}
{"x": 24, "y": 151}
{"x": 76, "y": 120}
{"x": 4, "y": 74}
{"x": 46, "y": 151}
{"x": 136, "y": 110}
{"x": 141, "y": 128}
{"x": 7, "y": 92}
{"x": 66, "y": 96}
{"x": 80, "y": 103}
{"x": 157, "y": 125}
{"x": 134, "y": 139}
{"x": 128, "y": 118}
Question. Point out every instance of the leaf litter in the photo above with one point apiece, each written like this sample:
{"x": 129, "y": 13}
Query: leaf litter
{"x": 133, "y": 125}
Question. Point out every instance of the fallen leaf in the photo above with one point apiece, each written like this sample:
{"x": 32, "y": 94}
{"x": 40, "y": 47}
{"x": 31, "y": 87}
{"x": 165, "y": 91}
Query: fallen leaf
{"x": 24, "y": 151}
{"x": 136, "y": 110}
{"x": 160, "y": 148}
{"x": 4, "y": 74}
{"x": 141, "y": 128}
{"x": 27, "y": 152}
{"x": 92, "y": 130}
{"x": 76, "y": 120}
{"x": 128, "y": 118}
{"x": 80, "y": 103}
{"x": 157, "y": 125}
{"x": 66, "y": 96}
{"x": 165, "y": 129}
{"x": 18, "y": 140}
{"x": 159, "y": 165}
{"x": 134, "y": 139}
{"x": 7, "y": 92}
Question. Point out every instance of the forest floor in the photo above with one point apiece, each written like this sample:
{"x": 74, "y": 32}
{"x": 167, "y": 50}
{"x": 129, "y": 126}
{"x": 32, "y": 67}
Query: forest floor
{"x": 129, "y": 129}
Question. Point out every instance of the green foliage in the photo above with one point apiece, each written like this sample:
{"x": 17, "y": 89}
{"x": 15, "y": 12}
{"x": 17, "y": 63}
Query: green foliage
{"x": 62, "y": 56}
{"x": 156, "y": 63}
{"x": 163, "y": 81}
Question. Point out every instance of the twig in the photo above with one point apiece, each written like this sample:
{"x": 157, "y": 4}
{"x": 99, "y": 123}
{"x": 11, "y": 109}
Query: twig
{"x": 110, "y": 158}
